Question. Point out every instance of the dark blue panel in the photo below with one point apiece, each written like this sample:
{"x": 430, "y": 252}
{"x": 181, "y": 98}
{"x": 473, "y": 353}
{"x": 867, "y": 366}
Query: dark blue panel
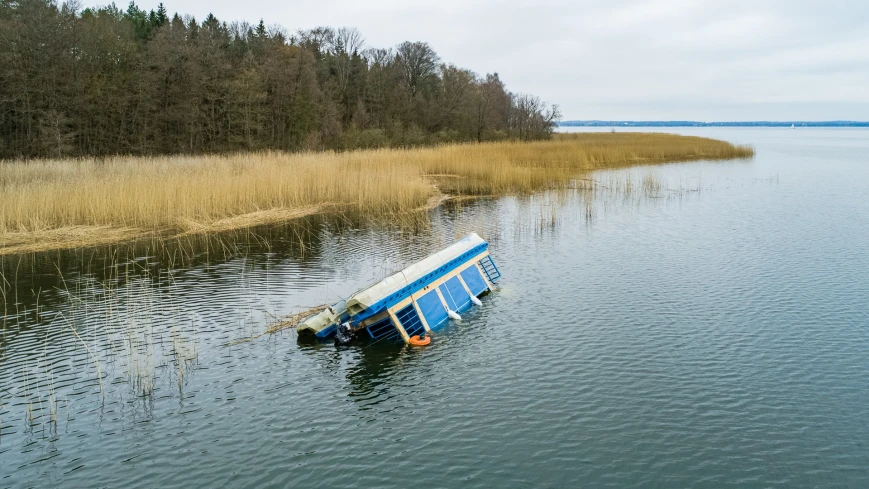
{"x": 382, "y": 329}
{"x": 409, "y": 320}
{"x": 475, "y": 281}
{"x": 432, "y": 309}
{"x": 457, "y": 294}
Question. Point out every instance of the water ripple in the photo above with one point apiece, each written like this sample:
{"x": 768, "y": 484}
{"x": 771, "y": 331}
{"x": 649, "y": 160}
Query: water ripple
{"x": 717, "y": 338}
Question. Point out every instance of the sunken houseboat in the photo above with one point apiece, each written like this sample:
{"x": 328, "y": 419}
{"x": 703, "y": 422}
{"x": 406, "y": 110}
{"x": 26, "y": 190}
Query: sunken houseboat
{"x": 419, "y": 299}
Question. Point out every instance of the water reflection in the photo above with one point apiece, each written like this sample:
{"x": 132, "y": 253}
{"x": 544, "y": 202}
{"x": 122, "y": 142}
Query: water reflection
{"x": 369, "y": 376}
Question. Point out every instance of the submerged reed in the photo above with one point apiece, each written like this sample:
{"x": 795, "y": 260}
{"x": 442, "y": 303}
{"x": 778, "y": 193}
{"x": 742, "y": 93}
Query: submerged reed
{"x": 78, "y": 202}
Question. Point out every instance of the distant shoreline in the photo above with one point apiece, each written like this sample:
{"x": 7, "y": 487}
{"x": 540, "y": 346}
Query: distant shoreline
{"x": 597, "y": 123}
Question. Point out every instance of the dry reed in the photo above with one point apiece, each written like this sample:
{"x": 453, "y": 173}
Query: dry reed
{"x": 49, "y": 204}
{"x": 289, "y": 321}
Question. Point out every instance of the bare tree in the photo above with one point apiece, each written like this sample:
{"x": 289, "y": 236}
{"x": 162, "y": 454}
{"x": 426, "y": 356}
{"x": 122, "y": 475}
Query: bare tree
{"x": 493, "y": 104}
{"x": 419, "y": 62}
{"x": 346, "y": 43}
{"x": 530, "y": 118}
{"x": 318, "y": 40}
{"x": 378, "y": 56}
{"x": 347, "y": 40}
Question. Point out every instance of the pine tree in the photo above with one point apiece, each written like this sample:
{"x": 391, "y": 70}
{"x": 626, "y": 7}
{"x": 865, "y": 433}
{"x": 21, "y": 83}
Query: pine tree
{"x": 161, "y": 17}
{"x": 139, "y": 19}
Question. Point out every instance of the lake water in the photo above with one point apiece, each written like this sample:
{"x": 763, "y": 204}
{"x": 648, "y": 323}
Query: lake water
{"x": 707, "y": 329}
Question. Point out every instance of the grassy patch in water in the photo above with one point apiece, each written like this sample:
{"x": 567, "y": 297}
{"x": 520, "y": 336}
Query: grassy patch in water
{"x": 53, "y": 204}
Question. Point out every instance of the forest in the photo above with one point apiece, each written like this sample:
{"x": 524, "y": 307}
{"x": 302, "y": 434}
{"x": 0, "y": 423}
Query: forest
{"x": 106, "y": 81}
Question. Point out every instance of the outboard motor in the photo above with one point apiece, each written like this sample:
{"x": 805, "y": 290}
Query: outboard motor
{"x": 343, "y": 334}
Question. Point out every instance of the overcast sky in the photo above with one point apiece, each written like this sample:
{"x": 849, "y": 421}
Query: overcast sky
{"x": 646, "y": 60}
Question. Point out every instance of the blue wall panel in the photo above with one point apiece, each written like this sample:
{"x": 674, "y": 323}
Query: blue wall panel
{"x": 472, "y": 277}
{"x": 455, "y": 295}
{"x": 432, "y": 309}
{"x": 446, "y": 293}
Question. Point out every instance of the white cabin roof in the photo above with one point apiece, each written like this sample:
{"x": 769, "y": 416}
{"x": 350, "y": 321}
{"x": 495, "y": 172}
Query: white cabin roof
{"x": 368, "y": 297}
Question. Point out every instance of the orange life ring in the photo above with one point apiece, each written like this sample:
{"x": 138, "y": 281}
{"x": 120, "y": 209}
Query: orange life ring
{"x": 415, "y": 340}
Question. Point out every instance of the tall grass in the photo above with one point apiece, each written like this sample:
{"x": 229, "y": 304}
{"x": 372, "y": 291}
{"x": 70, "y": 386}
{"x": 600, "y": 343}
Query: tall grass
{"x": 73, "y": 202}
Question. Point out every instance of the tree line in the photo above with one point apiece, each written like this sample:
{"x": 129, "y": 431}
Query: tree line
{"x": 102, "y": 81}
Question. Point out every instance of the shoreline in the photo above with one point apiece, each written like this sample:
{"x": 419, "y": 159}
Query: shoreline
{"x": 74, "y": 237}
{"x": 188, "y": 196}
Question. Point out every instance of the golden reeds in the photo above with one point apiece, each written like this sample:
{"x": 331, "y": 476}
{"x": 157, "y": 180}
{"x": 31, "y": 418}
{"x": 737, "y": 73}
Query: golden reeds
{"x": 75, "y": 202}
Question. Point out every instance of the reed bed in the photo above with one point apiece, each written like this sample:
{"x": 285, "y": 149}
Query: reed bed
{"x": 49, "y": 204}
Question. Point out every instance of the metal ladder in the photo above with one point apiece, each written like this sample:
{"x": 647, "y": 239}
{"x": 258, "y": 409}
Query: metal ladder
{"x": 490, "y": 269}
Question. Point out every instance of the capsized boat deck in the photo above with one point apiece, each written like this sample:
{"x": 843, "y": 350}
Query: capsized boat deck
{"x": 418, "y": 299}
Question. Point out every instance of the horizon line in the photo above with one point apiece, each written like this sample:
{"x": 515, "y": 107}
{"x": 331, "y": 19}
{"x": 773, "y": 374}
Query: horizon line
{"x": 794, "y": 122}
